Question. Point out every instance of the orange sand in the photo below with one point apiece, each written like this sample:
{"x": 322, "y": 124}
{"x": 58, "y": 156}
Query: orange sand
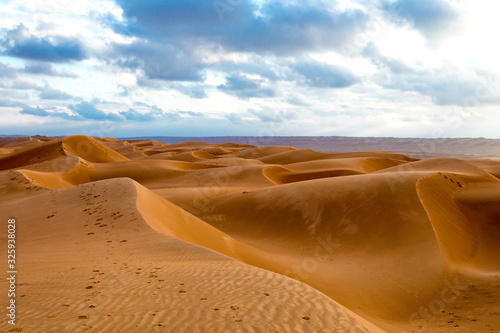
{"x": 142, "y": 236}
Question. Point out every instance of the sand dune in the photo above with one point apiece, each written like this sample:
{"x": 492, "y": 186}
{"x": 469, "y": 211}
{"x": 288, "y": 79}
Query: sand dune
{"x": 140, "y": 236}
{"x": 91, "y": 263}
{"x": 258, "y": 152}
{"x": 304, "y": 155}
{"x": 80, "y": 146}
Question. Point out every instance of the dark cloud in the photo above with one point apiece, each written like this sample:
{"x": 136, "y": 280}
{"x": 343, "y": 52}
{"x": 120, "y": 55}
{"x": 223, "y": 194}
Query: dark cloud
{"x": 159, "y": 14}
{"x": 89, "y": 111}
{"x": 23, "y": 84}
{"x": 243, "y": 87}
{"x": 432, "y": 18}
{"x": 54, "y": 94}
{"x": 133, "y": 115}
{"x": 278, "y": 28}
{"x": 151, "y": 112}
{"x": 269, "y": 68}
{"x": 158, "y": 61}
{"x": 321, "y": 75}
{"x": 155, "y": 113}
{"x": 39, "y": 112}
{"x": 193, "y": 91}
{"x": 34, "y": 111}
{"x": 8, "y": 71}
{"x": 20, "y": 43}
{"x": 240, "y": 82}
{"x": 43, "y": 68}
{"x": 293, "y": 29}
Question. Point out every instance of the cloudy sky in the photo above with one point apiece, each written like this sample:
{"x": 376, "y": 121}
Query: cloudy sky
{"x": 404, "y": 68}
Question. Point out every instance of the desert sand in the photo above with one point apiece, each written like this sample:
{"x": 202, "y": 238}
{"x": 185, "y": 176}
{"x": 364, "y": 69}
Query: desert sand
{"x": 143, "y": 236}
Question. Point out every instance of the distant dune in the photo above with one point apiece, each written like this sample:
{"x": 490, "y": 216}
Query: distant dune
{"x": 414, "y": 147}
{"x": 263, "y": 235}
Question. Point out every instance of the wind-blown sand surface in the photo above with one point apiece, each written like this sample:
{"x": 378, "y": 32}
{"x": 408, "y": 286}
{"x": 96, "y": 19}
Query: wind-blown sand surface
{"x": 143, "y": 236}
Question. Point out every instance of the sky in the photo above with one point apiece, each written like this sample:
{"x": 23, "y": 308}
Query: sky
{"x": 126, "y": 68}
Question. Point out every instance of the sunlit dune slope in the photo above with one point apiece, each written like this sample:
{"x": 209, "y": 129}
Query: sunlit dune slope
{"x": 91, "y": 262}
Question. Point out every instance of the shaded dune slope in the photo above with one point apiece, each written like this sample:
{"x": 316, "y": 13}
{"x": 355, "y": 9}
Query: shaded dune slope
{"x": 465, "y": 214}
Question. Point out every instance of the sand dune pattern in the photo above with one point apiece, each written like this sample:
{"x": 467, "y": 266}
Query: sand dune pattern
{"x": 143, "y": 236}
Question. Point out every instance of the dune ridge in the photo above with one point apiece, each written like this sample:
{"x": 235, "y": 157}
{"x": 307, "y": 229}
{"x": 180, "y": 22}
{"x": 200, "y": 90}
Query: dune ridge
{"x": 365, "y": 241}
